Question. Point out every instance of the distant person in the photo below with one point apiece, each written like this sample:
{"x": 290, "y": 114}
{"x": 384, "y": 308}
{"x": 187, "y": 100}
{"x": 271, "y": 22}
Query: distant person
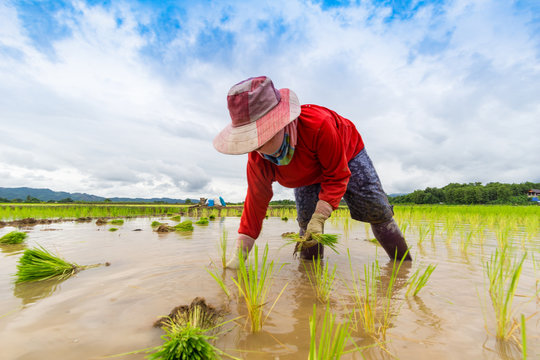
{"x": 309, "y": 148}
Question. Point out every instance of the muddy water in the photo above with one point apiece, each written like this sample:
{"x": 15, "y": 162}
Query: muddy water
{"x": 110, "y": 310}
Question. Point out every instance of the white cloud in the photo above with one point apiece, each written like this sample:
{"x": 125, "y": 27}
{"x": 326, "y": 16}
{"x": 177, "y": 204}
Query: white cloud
{"x": 449, "y": 95}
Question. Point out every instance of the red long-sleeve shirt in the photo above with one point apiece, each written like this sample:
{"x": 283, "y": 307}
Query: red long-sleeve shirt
{"x": 325, "y": 145}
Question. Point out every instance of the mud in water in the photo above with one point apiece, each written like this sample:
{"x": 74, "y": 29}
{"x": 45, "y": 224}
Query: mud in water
{"x": 111, "y": 310}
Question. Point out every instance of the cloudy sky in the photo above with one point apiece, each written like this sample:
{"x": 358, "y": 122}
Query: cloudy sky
{"x": 123, "y": 98}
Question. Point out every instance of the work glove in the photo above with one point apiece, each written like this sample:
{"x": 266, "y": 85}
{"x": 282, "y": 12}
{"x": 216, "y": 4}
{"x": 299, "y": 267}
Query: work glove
{"x": 323, "y": 210}
{"x": 244, "y": 243}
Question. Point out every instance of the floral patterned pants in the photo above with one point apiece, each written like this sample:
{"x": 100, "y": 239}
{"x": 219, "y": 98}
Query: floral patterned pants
{"x": 365, "y": 196}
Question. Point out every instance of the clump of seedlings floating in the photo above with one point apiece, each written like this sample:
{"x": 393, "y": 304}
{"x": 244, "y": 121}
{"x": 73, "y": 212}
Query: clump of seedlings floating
{"x": 117, "y": 222}
{"x": 156, "y": 224}
{"x": 113, "y": 229}
{"x": 14, "y": 237}
{"x": 39, "y": 264}
{"x": 175, "y": 218}
{"x": 189, "y": 333}
{"x": 202, "y": 221}
{"x": 329, "y": 240}
{"x": 186, "y": 225}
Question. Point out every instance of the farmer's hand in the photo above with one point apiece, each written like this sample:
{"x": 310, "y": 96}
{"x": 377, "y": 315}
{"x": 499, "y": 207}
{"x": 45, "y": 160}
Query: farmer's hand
{"x": 244, "y": 243}
{"x": 323, "y": 210}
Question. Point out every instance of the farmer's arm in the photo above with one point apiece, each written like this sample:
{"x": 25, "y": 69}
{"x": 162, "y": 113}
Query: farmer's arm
{"x": 259, "y": 194}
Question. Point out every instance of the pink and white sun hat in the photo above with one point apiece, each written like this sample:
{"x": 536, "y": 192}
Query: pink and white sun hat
{"x": 258, "y": 112}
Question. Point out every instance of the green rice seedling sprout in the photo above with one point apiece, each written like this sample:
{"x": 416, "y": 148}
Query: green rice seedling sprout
{"x": 186, "y": 225}
{"x": 523, "y": 338}
{"x": 254, "y": 280}
{"x": 222, "y": 248}
{"x": 333, "y": 337}
{"x": 321, "y": 278}
{"x": 14, "y": 237}
{"x": 503, "y": 274}
{"x": 113, "y": 229}
{"x": 212, "y": 217}
{"x": 423, "y": 231}
{"x": 39, "y": 264}
{"x": 202, "y": 221}
{"x": 366, "y": 297}
{"x": 329, "y": 240}
{"x": 117, "y": 222}
{"x": 155, "y": 224}
{"x": 367, "y": 300}
{"x": 284, "y": 218}
{"x": 175, "y": 218}
{"x": 417, "y": 281}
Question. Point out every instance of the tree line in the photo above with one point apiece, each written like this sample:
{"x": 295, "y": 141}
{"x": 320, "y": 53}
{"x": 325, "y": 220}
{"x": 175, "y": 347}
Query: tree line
{"x": 471, "y": 193}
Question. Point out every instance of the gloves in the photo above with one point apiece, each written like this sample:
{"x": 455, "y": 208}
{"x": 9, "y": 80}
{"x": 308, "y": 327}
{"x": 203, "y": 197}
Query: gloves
{"x": 323, "y": 210}
{"x": 244, "y": 243}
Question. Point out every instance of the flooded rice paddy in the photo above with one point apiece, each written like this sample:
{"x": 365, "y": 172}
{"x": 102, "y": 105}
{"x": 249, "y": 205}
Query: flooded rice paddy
{"x": 110, "y": 310}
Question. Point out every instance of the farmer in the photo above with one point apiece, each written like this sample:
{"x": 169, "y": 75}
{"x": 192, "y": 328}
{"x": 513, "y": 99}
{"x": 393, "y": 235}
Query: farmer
{"x": 311, "y": 149}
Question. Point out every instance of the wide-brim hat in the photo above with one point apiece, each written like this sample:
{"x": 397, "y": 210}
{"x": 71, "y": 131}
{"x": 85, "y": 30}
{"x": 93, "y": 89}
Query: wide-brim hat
{"x": 258, "y": 112}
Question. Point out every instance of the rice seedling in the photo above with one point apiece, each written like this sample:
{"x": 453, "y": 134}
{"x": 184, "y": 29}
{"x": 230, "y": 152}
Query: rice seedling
{"x": 329, "y": 240}
{"x": 186, "y": 225}
{"x": 188, "y": 333}
{"x": 254, "y": 280}
{"x": 202, "y": 221}
{"x": 284, "y": 218}
{"x": 503, "y": 274}
{"x": 417, "y": 281}
{"x": 175, "y": 218}
{"x": 333, "y": 337}
{"x": 117, "y": 222}
{"x": 39, "y": 264}
{"x": 423, "y": 231}
{"x": 373, "y": 310}
{"x": 222, "y": 248}
{"x": 321, "y": 278}
{"x": 14, "y": 237}
{"x": 523, "y": 338}
{"x": 212, "y": 217}
{"x": 366, "y": 299}
{"x": 113, "y": 229}
{"x": 155, "y": 224}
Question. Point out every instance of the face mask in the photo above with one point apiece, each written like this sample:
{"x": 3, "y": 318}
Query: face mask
{"x": 285, "y": 152}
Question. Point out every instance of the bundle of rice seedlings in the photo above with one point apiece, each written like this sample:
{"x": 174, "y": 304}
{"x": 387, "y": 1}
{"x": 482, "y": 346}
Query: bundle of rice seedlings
{"x": 329, "y": 240}
{"x": 14, "y": 237}
{"x": 202, "y": 221}
{"x": 113, "y": 229}
{"x": 117, "y": 222}
{"x": 185, "y": 342}
{"x": 156, "y": 224}
{"x": 212, "y": 217}
{"x": 39, "y": 264}
{"x": 176, "y": 218}
{"x": 186, "y": 225}
{"x": 187, "y": 332}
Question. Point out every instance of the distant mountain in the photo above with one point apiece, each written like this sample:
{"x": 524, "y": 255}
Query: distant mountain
{"x": 48, "y": 195}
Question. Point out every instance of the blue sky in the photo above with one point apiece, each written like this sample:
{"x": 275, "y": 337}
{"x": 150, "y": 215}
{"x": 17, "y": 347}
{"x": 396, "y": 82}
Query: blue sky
{"x": 123, "y": 98}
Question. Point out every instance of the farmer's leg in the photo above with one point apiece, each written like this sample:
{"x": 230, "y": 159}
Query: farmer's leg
{"x": 306, "y": 198}
{"x": 367, "y": 202}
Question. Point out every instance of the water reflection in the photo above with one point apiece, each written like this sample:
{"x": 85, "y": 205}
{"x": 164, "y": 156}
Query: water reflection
{"x": 12, "y": 249}
{"x": 30, "y": 292}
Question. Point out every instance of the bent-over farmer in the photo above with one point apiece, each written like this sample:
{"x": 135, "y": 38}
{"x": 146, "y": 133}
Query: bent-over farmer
{"x": 309, "y": 148}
